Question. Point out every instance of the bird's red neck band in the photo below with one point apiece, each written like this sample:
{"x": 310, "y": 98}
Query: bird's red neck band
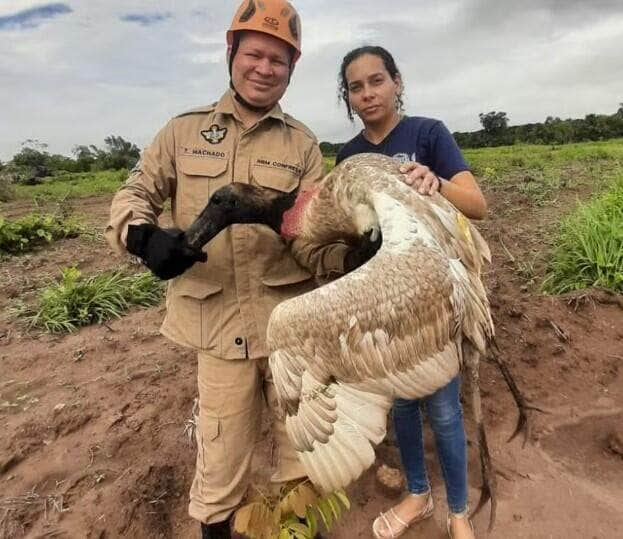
{"x": 292, "y": 219}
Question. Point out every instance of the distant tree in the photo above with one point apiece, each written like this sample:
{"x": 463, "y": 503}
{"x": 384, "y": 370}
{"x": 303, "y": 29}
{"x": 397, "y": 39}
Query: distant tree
{"x": 61, "y": 163}
{"x": 552, "y": 131}
{"x": 493, "y": 122}
{"x": 84, "y": 157}
{"x": 122, "y": 154}
{"x": 118, "y": 154}
{"x": 495, "y": 128}
{"x": 35, "y": 144}
{"x": 32, "y": 154}
{"x": 617, "y": 122}
{"x": 595, "y": 127}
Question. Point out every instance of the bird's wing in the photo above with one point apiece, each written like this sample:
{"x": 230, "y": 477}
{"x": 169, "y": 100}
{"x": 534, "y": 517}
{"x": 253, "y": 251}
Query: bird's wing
{"x": 394, "y": 313}
{"x": 333, "y": 430}
{"x": 334, "y": 426}
{"x": 466, "y": 250}
{"x": 392, "y": 328}
{"x": 341, "y": 354}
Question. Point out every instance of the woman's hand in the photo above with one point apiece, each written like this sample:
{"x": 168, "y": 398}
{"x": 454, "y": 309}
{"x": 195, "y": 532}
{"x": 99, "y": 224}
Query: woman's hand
{"x": 420, "y": 178}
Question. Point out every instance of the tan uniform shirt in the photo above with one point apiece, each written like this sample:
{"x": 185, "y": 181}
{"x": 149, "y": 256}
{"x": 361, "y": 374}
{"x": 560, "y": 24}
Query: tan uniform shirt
{"x": 222, "y": 306}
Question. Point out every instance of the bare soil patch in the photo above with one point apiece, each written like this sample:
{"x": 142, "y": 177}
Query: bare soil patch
{"x": 94, "y": 424}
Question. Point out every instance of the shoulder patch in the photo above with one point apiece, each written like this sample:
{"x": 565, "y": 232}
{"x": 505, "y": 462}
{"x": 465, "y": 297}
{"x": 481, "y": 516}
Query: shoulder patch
{"x": 300, "y": 126}
{"x": 199, "y": 110}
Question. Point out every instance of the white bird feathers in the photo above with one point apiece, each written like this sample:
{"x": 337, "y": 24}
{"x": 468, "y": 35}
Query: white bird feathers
{"x": 401, "y": 325}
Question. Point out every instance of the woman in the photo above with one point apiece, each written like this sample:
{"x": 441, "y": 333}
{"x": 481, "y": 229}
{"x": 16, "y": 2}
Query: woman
{"x": 371, "y": 87}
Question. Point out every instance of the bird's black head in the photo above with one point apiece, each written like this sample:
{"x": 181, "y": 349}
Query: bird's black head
{"x": 239, "y": 203}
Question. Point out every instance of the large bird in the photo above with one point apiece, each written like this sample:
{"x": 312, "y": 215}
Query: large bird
{"x": 401, "y": 325}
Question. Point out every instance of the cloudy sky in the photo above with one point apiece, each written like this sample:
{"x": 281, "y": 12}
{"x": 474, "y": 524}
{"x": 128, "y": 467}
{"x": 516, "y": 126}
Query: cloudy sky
{"x": 75, "y": 71}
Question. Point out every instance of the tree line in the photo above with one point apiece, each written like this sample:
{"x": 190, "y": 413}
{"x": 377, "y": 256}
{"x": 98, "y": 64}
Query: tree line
{"x": 34, "y": 162}
{"x": 496, "y": 131}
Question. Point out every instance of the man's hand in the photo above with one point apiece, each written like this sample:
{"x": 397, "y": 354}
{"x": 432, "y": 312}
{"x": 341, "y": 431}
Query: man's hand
{"x": 420, "y": 178}
{"x": 164, "y": 251}
{"x": 363, "y": 252}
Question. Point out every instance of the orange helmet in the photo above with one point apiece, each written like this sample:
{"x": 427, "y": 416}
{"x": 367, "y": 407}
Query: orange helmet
{"x": 277, "y": 18}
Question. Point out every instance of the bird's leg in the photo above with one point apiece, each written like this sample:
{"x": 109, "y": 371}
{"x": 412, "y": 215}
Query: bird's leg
{"x": 523, "y": 405}
{"x": 488, "y": 490}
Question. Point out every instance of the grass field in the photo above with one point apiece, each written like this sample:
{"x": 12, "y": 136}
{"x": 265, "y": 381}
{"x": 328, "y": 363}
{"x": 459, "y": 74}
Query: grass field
{"x": 535, "y": 174}
{"x": 74, "y": 185}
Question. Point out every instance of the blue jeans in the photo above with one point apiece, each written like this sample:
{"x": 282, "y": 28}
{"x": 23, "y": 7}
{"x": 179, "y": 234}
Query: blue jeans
{"x": 445, "y": 415}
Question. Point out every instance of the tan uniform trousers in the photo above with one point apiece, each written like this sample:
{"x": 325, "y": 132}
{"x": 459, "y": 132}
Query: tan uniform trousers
{"x": 232, "y": 395}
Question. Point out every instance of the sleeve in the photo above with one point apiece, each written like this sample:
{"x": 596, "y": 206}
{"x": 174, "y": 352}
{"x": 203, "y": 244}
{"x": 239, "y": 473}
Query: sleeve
{"x": 446, "y": 157}
{"x": 141, "y": 198}
{"x": 321, "y": 260}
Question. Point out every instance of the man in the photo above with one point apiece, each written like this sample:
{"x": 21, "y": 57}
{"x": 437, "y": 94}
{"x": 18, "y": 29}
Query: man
{"x": 220, "y": 305}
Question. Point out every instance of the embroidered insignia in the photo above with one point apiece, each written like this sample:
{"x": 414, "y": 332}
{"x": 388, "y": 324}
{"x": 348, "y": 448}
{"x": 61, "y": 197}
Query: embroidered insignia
{"x": 215, "y": 134}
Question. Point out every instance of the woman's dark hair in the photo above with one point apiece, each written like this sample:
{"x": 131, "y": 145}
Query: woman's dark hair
{"x": 388, "y": 62}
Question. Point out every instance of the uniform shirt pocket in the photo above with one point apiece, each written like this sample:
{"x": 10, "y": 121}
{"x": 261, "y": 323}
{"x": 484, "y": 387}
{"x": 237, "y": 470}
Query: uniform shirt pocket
{"x": 194, "y": 311}
{"x": 276, "y": 174}
{"x": 198, "y": 179}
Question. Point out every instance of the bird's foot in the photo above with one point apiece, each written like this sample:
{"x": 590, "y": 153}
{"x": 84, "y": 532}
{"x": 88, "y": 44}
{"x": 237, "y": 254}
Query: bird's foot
{"x": 488, "y": 491}
{"x": 524, "y": 423}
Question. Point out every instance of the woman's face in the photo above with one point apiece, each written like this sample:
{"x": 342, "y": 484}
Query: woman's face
{"x": 371, "y": 90}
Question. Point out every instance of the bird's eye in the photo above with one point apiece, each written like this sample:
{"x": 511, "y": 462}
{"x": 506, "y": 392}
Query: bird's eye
{"x": 216, "y": 199}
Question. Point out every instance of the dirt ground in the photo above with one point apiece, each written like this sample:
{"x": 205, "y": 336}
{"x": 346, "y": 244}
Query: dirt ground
{"x": 94, "y": 425}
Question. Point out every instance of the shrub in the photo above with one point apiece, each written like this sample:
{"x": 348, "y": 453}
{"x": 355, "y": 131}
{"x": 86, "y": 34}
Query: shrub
{"x": 76, "y": 301}
{"x": 35, "y": 229}
{"x": 589, "y": 246}
{"x": 292, "y": 514}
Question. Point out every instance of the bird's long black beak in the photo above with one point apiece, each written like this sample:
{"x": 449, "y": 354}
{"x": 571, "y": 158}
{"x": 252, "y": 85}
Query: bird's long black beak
{"x": 238, "y": 203}
{"x": 204, "y": 228}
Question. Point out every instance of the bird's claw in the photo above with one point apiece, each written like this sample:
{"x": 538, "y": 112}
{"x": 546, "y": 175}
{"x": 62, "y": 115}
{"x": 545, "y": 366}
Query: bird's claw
{"x": 524, "y": 425}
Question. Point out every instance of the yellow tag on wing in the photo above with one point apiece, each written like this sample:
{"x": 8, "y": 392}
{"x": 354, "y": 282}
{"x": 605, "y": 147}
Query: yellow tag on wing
{"x": 464, "y": 227}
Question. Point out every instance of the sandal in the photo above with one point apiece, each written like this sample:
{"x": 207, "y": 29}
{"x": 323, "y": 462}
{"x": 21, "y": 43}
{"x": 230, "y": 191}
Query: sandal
{"x": 394, "y": 519}
{"x": 464, "y": 514}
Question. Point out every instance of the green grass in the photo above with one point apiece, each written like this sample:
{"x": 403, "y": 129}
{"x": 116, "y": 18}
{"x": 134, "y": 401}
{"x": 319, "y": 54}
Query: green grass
{"x": 329, "y": 162}
{"x": 35, "y": 229}
{"x": 74, "y": 185}
{"x": 507, "y": 159}
{"x": 75, "y": 301}
{"x": 541, "y": 171}
{"x": 589, "y": 246}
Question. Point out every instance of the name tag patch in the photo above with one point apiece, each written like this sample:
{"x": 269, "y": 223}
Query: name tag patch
{"x": 204, "y": 152}
{"x": 272, "y": 163}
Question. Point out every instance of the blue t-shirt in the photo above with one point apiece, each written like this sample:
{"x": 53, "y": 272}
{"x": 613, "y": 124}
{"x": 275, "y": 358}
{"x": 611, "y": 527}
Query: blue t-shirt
{"x": 424, "y": 140}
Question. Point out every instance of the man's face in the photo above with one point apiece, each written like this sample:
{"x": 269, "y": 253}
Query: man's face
{"x": 261, "y": 69}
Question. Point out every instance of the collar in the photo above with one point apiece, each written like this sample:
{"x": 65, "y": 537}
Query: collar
{"x": 226, "y": 106}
